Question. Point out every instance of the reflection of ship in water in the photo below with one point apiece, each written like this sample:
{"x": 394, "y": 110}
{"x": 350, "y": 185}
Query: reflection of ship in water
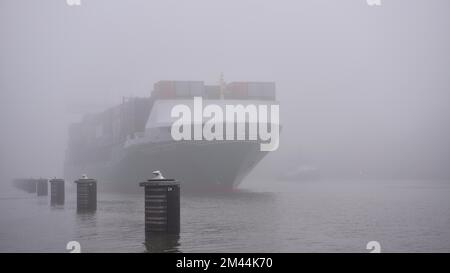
{"x": 162, "y": 242}
{"x": 123, "y": 144}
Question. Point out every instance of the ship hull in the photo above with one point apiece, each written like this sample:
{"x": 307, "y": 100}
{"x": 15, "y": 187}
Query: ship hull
{"x": 199, "y": 165}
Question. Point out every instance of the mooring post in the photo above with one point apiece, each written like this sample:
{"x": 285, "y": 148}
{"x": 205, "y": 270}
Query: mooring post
{"x": 162, "y": 206}
{"x": 86, "y": 194}
{"x": 57, "y": 191}
{"x": 41, "y": 187}
{"x": 30, "y": 185}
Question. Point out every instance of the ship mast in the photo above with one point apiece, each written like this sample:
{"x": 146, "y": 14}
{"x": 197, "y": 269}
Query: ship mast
{"x": 222, "y": 86}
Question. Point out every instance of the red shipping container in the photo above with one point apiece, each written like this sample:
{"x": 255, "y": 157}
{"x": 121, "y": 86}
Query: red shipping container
{"x": 237, "y": 90}
{"x": 164, "y": 90}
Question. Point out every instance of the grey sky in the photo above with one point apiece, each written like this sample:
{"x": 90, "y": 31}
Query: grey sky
{"x": 361, "y": 88}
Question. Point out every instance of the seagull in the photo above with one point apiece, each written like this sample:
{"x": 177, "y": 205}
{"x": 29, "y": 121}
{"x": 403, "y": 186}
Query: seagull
{"x": 157, "y": 175}
{"x": 84, "y": 176}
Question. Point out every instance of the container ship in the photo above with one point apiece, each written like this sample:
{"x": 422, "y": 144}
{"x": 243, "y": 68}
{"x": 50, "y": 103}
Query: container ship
{"x": 124, "y": 144}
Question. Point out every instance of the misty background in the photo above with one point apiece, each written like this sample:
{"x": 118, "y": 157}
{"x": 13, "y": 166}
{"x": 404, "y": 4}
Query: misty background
{"x": 363, "y": 91}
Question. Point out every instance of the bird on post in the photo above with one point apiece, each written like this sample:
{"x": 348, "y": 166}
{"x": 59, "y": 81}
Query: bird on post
{"x": 157, "y": 175}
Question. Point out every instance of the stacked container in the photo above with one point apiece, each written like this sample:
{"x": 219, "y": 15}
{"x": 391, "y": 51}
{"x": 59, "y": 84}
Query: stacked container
{"x": 212, "y": 92}
{"x": 250, "y": 90}
{"x": 178, "y": 89}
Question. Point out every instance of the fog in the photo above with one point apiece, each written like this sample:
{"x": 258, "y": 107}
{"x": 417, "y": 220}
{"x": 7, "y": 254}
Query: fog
{"x": 362, "y": 90}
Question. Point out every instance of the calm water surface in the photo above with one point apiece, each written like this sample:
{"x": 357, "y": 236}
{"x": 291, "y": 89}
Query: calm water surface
{"x": 264, "y": 216}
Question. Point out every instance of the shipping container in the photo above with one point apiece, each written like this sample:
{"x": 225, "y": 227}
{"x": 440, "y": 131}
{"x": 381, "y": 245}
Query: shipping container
{"x": 178, "y": 89}
{"x": 212, "y": 92}
{"x": 261, "y": 90}
{"x": 236, "y": 91}
{"x": 196, "y": 89}
{"x": 182, "y": 89}
{"x": 250, "y": 90}
{"x": 164, "y": 89}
